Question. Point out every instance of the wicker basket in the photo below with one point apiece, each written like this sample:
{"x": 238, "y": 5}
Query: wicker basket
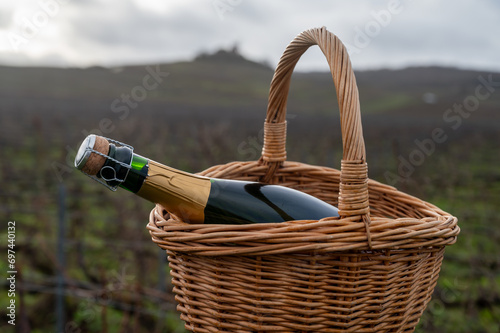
{"x": 371, "y": 270}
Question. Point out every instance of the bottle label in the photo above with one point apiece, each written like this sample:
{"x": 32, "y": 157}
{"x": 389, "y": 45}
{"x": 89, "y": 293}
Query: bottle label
{"x": 181, "y": 193}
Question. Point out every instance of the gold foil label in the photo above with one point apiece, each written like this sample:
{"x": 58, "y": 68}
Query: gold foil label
{"x": 180, "y": 193}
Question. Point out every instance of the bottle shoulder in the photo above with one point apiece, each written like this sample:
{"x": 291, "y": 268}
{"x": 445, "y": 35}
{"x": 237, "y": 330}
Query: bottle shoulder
{"x": 257, "y": 202}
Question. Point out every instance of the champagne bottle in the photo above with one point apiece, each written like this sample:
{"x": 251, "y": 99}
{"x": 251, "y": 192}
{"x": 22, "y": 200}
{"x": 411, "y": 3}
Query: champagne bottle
{"x": 194, "y": 198}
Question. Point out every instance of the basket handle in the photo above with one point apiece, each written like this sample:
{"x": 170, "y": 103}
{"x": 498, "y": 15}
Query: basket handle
{"x": 353, "y": 196}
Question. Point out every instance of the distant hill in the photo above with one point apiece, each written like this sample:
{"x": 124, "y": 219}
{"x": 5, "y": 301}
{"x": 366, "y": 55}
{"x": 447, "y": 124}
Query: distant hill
{"x": 227, "y": 82}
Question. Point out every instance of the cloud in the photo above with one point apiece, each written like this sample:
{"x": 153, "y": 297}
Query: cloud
{"x": 380, "y": 33}
{"x": 5, "y": 18}
{"x": 125, "y": 31}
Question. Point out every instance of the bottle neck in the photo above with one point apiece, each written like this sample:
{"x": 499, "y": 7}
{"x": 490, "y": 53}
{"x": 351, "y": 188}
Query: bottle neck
{"x": 181, "y": 193}
{"x": 137, "y": 174}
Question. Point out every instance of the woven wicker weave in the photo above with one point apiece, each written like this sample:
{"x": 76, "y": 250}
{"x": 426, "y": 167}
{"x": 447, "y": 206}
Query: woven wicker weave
{"x": 371, "y": 270}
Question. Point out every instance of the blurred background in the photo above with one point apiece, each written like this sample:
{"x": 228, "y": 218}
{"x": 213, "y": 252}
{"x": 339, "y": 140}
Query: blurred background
{"x": 186, "y": 84}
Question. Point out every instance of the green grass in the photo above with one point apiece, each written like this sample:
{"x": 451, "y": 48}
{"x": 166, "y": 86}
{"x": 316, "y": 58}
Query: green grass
{"x": 118, "y": 256}
{"x": 388, "y": 103}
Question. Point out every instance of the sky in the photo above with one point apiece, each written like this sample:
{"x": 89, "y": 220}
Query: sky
{"x": 378, "y": 34}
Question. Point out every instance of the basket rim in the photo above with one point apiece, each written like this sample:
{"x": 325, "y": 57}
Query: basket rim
{"x": 436, "y": 228}
{"x": 326, "y": 235}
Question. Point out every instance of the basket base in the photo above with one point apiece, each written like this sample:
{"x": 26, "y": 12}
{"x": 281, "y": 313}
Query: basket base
{"x": 373, "y": 291}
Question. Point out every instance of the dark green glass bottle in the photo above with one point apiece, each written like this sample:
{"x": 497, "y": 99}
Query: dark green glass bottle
{"x": 193, "y": 198}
